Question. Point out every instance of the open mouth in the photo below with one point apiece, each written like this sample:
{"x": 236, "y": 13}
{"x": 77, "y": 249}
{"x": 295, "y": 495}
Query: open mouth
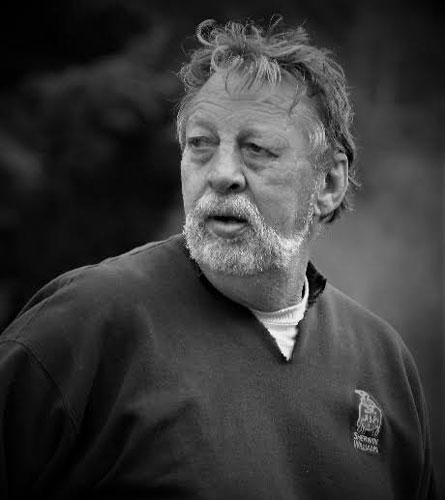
{"x": 226, "y": 226}
{"x": 228, "y": 219}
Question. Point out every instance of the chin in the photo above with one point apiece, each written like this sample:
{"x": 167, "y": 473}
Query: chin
{"x": 246, "y": 255}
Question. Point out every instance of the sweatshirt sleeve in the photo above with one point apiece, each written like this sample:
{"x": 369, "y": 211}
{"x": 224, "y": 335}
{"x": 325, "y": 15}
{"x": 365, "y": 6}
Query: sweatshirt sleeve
{"x": 427, "y": 489}
{"x": 36, "y": 427}
{"x": 51, "y": 357}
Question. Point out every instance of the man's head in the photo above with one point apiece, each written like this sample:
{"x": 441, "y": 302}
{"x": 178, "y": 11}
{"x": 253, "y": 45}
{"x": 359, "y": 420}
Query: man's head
{"x": 264, "y": 130}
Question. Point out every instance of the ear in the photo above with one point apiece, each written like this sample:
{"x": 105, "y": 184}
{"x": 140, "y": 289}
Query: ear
{"x": 332, "y": 185}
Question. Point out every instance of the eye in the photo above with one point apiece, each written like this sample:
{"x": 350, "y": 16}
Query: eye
{"x": 199, "y": 142}
{"x": 258, "y": 151}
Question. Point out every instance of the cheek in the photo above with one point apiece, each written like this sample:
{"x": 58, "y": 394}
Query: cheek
{"x": 192, "y": 186}
{"x": 282, "y": 198}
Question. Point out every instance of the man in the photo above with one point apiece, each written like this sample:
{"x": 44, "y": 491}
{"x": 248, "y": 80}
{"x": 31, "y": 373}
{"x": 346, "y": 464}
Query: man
{"x": 220, "y": 365}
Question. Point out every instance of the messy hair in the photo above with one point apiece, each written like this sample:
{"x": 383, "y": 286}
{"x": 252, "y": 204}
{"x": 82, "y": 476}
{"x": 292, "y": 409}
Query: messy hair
{"x": 258, "y": 55}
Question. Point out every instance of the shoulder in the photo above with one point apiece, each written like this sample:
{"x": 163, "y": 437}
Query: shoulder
{"x": 116, "y": 280}
{"x": 361, "y": 330}
{"x": 95, "y": 317}
{"x": 345, "y": 311}
{"x": 85, "y": 305}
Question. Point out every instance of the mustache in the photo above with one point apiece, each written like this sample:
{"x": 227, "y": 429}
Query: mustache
{"x": 234, "y": 205}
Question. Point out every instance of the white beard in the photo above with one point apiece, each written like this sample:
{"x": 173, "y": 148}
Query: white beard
{"x": 259, "y": 248}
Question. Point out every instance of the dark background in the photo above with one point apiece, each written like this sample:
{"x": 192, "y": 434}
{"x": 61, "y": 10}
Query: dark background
{"x": 89, "y": 165}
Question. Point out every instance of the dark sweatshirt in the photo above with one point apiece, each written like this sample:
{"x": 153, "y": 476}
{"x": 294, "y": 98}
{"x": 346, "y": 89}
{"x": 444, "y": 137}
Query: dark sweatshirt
{"x": 135, "y": 378}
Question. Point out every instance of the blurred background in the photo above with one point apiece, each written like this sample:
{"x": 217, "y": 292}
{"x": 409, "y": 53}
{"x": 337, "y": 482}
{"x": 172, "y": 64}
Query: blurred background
{"x": 89, "y": 165}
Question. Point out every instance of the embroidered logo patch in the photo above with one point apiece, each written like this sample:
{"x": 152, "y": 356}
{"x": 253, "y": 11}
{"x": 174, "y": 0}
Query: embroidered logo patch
{"x": 369, "y": 423}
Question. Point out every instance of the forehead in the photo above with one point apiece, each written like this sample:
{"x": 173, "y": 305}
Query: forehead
{"x": 225, "y": 101}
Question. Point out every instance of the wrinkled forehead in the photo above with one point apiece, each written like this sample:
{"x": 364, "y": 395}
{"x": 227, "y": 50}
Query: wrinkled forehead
{"x": 228, "y": 104}
{"x": 232, "y": 90}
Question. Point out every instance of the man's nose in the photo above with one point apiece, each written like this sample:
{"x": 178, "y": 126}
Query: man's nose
{"x": 226, "y": 174}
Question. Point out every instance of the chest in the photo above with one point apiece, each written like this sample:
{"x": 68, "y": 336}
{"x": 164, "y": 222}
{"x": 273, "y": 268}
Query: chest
{"x": 231, "y": 422}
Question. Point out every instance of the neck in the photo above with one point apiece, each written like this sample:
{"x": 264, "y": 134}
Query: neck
{"x": 267, "y": 291}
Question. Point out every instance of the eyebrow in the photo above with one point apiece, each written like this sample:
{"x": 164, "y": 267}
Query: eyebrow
{"x": 253, "y": 132}
{"x": 273, "y": 137}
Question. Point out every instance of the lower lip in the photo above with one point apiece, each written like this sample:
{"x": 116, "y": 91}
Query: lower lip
{"x": 227, "y": 230}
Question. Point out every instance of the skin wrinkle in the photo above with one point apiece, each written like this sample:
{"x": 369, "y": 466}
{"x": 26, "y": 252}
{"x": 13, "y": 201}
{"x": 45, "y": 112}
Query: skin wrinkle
{"x": 298, "y": 108}
{"x": 281, "y": 187}
{"x": 213, "y": 102}
{"x": 250, "y": 57}
{"x": 273, "y": 141}
{"x": 204, "y": 109}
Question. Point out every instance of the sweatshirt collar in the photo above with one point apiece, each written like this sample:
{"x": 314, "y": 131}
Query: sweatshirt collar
{"x": 317, "y": 283}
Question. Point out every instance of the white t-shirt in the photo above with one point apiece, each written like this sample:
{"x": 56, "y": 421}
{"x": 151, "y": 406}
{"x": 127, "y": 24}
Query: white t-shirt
{"x": 282, "y": 324}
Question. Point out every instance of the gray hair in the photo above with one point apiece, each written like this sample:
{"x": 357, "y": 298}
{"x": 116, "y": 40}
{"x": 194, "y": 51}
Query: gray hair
{"x": 257, "y": 55}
